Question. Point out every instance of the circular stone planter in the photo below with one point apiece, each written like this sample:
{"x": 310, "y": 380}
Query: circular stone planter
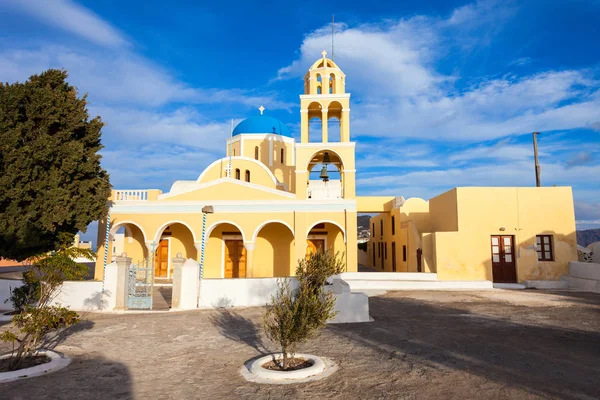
{"x": 253, "y": 370}
{"x": 57, "y": 362}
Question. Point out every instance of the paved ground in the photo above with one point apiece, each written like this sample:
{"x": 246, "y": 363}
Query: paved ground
{"x": 423, "y": 345}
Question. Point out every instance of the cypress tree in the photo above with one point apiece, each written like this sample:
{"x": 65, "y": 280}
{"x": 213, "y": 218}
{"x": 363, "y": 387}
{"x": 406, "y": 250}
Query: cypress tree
{"x": 51, "y": 182}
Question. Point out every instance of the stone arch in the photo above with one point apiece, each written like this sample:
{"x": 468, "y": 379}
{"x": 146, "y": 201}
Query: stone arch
{"x": 164, "y": 226}
{"x": 273, "y": 249}
{"x": 135, "y": 246}
{"x": 125, "y": 224}
{"x": 214, "y": 225}
{"x": 315, "y": 122}
{"x": 328, "y": 221}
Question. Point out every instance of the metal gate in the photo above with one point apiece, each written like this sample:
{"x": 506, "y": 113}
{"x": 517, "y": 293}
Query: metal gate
{"x": 139, "y": 285}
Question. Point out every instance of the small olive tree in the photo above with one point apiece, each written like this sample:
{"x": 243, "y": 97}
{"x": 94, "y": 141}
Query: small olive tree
{"x": 295, "y": 316}
{"x": 35, "y": 316}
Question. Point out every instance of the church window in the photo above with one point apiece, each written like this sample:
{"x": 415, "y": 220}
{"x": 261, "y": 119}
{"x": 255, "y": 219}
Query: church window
{"x": 381, "y": 227}
{"x": 282, "y": 154}
{"x": 237, "y": 173}
{"x": 318, "y": 89}
{"x": 256, "y": 153}
{"x": 393, "y": 225}
{"x": 404, "y": 253}
{"x": 247, "y": 176}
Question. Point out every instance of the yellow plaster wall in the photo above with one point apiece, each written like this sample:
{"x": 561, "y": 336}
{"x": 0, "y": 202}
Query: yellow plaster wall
{"x": 373, "y": 204}
{"x": 228, "y": 191}
{"x": 258, "y": 174}
{"x": 273, "y": 252}
{"x": 181, "y": 242}
{"x": 443, "y": 212}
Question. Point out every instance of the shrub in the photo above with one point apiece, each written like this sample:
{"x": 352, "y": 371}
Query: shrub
{"x": 295, "y": 316}
{"x": 36, "y": 317}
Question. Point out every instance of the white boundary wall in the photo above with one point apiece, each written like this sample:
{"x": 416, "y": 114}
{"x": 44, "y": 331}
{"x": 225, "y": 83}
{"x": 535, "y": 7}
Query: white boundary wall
{"x": 6, "y": 286}
{"x": 247, "y": 292}
{"x": 81, "y": 296}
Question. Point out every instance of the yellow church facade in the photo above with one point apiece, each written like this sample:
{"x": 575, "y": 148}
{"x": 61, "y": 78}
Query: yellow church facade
{"x": 272, "y": 200}
{"x": 267, "y": 209}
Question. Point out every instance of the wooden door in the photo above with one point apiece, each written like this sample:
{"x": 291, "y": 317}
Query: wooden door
{"x": 503, "y": 259}
{"x": 394, "y": 256}
{"x": 161, "y": 259}
{"x": 235, "y": 259}
{"x": 314, "y": 245}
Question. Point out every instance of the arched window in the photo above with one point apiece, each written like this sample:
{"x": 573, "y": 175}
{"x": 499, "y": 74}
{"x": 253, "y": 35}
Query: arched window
{"x": 393, "y": 225}
{"x": 247, "y": 176}
{"x": 318, "y": 89}
{"x": 282, "y": 154}
{"x": 237, "y": 173}
{"x": 256, "y": 153}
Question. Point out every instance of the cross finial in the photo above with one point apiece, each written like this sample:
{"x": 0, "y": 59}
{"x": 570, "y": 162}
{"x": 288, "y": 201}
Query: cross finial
{"x": 324, "y": 53}
{"x": 261, "y": 109}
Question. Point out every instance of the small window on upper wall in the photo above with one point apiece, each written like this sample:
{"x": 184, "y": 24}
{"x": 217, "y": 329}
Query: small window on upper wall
{"x": 256, "y": 153}
{"x": 234, "y": 152}
{"x": 404, "y": 253}
{"x": 373, "y": 229}
{"x": 238, "y": 174}
{"x": 282, "y": 154}
{"x": 247, "y": 176}
{"x": 381, "y": 227}
{"x": 544, "y": 248}
{"x": 393, "y": 225}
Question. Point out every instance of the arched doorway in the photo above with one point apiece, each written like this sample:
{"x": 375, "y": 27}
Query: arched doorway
{"x": 172, "y": 238}
{"x": 273, "y": 251}
{"x": 225, "y": 254}
{"x": 325, "y": 235}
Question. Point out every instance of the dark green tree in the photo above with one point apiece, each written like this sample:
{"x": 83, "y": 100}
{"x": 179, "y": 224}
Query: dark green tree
{"x": 51, "y": 181}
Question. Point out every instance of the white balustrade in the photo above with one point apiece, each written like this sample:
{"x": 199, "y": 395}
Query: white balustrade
{"x": 130, "y": 195}
{"x": 319, "y": 190}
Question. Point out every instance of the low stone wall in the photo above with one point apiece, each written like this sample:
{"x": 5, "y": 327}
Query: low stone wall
{"x": 81, "y": 296}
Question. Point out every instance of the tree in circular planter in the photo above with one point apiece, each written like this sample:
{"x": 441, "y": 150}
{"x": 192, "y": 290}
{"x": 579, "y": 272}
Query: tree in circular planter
{"x": 297, "y": 315}
{"x": 36, "y": 317}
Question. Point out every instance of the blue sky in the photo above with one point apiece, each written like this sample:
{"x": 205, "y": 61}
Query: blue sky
{"x": 444, "y": 94}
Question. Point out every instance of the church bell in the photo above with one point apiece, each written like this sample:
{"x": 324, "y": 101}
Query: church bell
{"x": 324, "y": 174}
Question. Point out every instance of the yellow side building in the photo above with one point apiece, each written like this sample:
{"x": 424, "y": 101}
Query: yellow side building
{"x": 500, "y": 234}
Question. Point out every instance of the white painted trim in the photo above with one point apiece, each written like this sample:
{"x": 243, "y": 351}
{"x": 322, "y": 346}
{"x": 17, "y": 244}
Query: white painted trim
{"x": 226, "y": 159}
{"x": 303, "y": 111}
{"x": 328, "y": 221}
{"x": 115, "y": 227}
{"x": 325, "y": 96}
{"x": 214, "y": 225}
{"x": 248, "y": 207}
{"x": 325, "y": 146}
{"x": 164, "y": 226}
{"x": 241, "y": 145}
{"x": 256, "y": 232}
{"x": 221, "y": 180}
{"x": 349, "y": 170}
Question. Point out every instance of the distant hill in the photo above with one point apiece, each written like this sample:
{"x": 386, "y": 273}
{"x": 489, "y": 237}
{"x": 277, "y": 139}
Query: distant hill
{"x": 588, "y": 236}
{"x": 363, "y": 222}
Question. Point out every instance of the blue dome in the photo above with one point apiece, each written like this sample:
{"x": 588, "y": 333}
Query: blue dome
{"x": 262, "y": 124}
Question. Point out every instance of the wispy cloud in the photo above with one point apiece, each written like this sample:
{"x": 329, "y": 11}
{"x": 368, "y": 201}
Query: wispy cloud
{"x": 71, "y": 17}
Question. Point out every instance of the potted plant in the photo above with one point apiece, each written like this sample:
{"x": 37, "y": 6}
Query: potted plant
{"x": 298, "y": 313}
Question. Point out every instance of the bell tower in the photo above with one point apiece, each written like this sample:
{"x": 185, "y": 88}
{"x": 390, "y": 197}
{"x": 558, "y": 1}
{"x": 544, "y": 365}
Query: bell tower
{"x": 324, "y": 98}
{"x": 325, "y": 169}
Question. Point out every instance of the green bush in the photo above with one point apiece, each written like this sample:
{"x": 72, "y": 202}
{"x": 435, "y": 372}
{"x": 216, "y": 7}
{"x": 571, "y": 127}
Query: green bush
{"x": 36, "y": 317}
{"x": 295, "y": 316}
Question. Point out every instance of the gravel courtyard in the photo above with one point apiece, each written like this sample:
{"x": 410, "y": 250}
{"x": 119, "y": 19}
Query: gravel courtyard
{"x": 422, "y": 345}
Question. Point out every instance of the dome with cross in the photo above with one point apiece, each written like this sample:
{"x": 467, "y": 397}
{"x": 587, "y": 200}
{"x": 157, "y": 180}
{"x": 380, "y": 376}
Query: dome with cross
{"x": 262, "y": 124}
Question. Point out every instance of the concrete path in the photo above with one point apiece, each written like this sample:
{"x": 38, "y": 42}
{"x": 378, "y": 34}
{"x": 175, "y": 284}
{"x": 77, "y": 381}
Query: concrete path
{"x": 494, "y": 344}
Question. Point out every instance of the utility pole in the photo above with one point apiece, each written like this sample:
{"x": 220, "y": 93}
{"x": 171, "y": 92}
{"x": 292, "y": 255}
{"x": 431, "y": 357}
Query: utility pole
{"x": 537, "y": 162}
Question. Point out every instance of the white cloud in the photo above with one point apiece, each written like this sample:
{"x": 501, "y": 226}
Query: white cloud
{"x": 393, "y": 72}
{"x": 71, "y": 17}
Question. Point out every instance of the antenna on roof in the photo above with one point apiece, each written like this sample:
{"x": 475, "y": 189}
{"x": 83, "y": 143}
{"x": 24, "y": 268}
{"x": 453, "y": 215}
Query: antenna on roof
{"x": 332, "y": 33}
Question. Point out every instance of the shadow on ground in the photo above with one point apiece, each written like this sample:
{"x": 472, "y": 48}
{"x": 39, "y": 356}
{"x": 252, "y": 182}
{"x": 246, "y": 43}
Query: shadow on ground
{"x": 546, "y": 361}
{"x": 236, "y": 327}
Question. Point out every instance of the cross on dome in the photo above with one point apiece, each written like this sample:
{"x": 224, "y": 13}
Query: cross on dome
{"x": 324, "y": 53}
{"x": 261, "y": 109}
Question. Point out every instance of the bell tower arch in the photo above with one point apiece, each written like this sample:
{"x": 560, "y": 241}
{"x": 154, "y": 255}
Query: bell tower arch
{"x": 324, "y": 100}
